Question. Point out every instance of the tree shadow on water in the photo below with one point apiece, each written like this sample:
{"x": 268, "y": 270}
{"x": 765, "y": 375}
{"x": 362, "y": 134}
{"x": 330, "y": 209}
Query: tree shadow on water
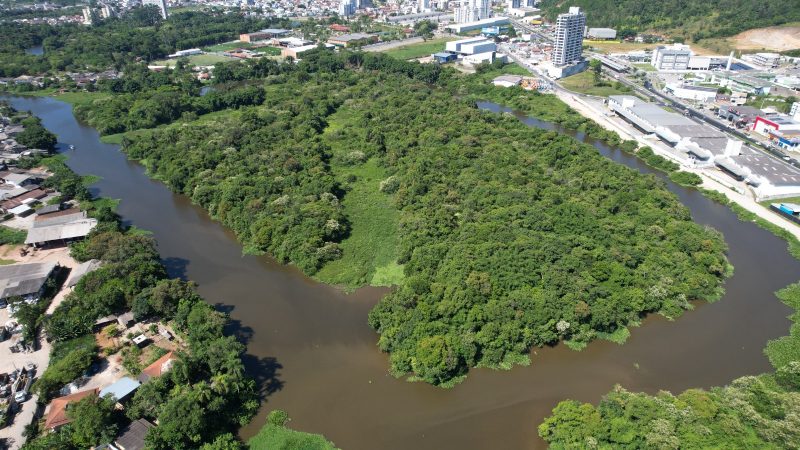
{"x": 265, "y": 371}
{"x": 176, "y": 267}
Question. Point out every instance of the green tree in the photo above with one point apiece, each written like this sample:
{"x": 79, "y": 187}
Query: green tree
{"x": 92, "y": 421}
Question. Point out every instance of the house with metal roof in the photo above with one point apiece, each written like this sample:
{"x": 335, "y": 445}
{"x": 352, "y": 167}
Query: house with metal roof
{"x": 122, "y": 390}
{"x": 24, "y": 280}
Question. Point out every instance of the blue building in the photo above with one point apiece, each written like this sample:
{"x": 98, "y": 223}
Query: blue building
{"x": 444, "y": 57}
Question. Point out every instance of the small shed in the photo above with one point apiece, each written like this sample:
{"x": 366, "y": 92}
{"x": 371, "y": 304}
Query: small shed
{"x": 126, "y": 320}
{"x": 444, "y": 57}
{"x": 140, "y": 341}
{"x": 103, "y": 322}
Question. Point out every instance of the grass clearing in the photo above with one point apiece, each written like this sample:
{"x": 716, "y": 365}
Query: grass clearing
{"x": 419, "y": 50}
{"x": 225, "y": 46}
{"x": 369, "y": 254}
{"x": 277, "y": 437}
{"x": 196, "y": 60}
{"x": 584, "y": 83}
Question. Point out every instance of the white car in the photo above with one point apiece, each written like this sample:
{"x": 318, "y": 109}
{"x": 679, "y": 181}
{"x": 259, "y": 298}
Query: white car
{"x": 21, "y": 396}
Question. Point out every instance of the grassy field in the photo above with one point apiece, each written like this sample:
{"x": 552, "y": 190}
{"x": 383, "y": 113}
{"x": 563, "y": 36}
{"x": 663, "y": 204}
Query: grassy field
{"x": 272, "y": 437}
{"x": 225, "y": 46}
{"x": 196, "y": 60}
{"x": 418, "y": 50}
{"x": 644, "y": 66}
{"x": 370, "y": 252}
{"x": 584, "y": 83}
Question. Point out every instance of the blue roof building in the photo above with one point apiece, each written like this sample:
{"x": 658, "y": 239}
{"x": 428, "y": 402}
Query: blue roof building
{"x": 121, "y": 390}
{"x": 444, "y": 57}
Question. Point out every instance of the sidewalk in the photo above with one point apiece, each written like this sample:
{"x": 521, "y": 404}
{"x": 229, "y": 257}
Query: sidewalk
{"x": 730, "y": 189}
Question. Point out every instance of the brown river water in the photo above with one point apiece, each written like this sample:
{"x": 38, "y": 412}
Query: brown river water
{"x": 313, "y": 354}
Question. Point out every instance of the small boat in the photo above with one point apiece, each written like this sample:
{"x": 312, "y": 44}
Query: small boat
{"x": 72, "y": 147}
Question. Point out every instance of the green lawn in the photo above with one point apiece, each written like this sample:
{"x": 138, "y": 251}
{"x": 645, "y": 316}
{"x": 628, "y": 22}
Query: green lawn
{"x": 419, "y": 50}
{"x": 369, "y": 254}
{"x": 584, "y": 84}
{"x": 644, "y": 66}
{"x": 274, "y": 437}
{"x": 196, "y": 60}
{"x": 227, "y": 46}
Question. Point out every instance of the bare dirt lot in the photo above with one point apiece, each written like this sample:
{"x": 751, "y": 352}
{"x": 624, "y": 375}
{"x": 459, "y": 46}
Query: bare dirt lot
{"x": 772, "y": 38}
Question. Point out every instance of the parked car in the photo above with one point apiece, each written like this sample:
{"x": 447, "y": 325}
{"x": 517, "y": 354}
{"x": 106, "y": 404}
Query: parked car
{"x": 21, "y": 396}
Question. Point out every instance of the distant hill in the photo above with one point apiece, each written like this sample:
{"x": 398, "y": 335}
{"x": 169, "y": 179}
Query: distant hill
{"x": 687, "y": 19}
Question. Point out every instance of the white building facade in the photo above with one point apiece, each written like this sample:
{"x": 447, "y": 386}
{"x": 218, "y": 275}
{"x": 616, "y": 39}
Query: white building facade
{"x": 568, "y": 45}
{"x": 472, "y": 11}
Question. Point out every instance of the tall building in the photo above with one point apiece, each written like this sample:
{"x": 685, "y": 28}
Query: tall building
{"x": 423, "y": 5}
{"x": 569, "y": 37}
{"x": 347, "y": 8}
{"x": 162, "y": 6}
{"x": 472, "y": 10}
{"x": 87, "y": 15}
{"x": 514, "y": 4}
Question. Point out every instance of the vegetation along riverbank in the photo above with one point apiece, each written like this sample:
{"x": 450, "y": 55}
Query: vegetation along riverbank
{"x": 362, "y": 189}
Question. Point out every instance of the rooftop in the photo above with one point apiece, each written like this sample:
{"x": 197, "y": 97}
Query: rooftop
{"x": 81, "y": 270}
{"x": 159, "y": 367}
{"x": 121, "y": 389}
{"x": 132, "y": 436}
{"x": 24, "y": 279}
{"x": 352, "y": 37}
{"x": 57, "y": 416}
{"x": 71, "y": 230}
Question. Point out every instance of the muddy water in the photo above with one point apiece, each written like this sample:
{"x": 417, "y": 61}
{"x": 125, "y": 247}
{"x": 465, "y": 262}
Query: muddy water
{"x": 311, "y": 349}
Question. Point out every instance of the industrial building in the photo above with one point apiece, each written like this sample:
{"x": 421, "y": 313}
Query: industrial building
{"x": 353, "y": 39}
{"x": 764, "y": 124}
{"x": 444, "y": 57}
{"x": 601, "y": 33}
{"x": 568, "y": 45}
{"x": 690, "y": 92}
{"x": 471, "y": 46}
{"x": 295, "y": 52}
{"x": 673, "y": 57}
{"x": 477, "y": 25}
{"x": 769, "y": 60}
{"x": 708, "y": 148}
{"x": 187, "y": 52}
{"x": 24, "y": 280}
{"x": 263, "y": 35}
{"x": 742, "y": 83}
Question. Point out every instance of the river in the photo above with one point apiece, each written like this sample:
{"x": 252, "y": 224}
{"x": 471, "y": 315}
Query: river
{"x": 310, "y": 347}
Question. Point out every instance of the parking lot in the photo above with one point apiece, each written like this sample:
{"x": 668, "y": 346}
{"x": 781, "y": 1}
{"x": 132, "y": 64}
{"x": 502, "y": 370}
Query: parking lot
{"x": 9, "y": 362}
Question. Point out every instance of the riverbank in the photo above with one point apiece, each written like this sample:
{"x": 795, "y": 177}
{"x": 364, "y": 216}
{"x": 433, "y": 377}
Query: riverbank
{"x": 315, "y": 336}
{"x": 737, "y": 194}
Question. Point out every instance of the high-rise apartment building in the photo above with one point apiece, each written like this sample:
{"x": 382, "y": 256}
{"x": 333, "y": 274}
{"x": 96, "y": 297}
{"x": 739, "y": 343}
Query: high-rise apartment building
{"x": 472, "y": 11}
{"x": 423, "y": 5}
{"x": 347, "y": 8}
{"x": 162, "y": 6}
{"x": 569, "y": 37}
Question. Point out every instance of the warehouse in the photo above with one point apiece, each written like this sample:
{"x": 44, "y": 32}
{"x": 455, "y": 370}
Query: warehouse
{"x": 690, "y": 92}
{"x": 710, "y": 148}
{"x": 602, "y": 33}
{"x": 24, "y": 280}
{"x": 478, "y": 25}
{"x": 353, "y": 39}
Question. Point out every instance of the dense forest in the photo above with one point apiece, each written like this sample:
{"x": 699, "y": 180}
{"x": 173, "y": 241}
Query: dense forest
{"x": 692, "y": 19}
{"x": 751, "y": 412}
{"x": 198, "y": 404}
{"x": 115, "y": 42}
{"x": 507, "y": 237}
